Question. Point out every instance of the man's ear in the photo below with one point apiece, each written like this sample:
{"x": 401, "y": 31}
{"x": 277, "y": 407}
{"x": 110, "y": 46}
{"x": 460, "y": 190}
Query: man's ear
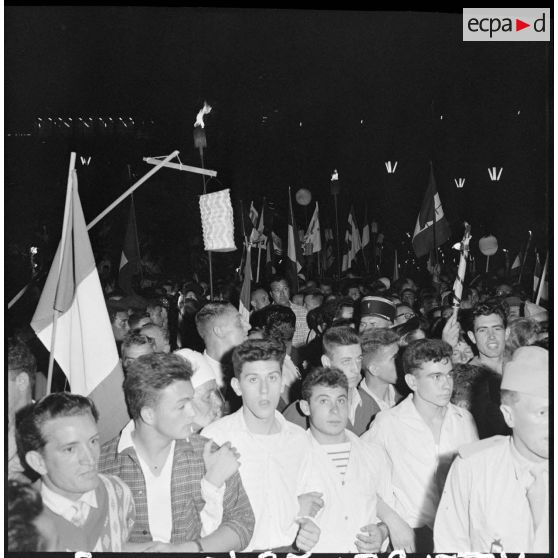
{"x": 304, "y": 407}
{"x": 147, "y": 415}
{"x": 471, "y": 336}
{"x": 411, "y": 381}
{"x": 36, "y": 462}
{"x": 218, "y": 331}
{"x": 507, "y": 411}
{"x": 372, "y": 369}
{"x": 22, "y": 381}
{"x": 326, "y": 362}
{"x": 235, "y": 384}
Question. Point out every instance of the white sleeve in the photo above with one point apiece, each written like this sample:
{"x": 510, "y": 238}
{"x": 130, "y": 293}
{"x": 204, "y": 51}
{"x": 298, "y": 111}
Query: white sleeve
{"x": 451, "y": 527}
{"x": 212, "y": 513}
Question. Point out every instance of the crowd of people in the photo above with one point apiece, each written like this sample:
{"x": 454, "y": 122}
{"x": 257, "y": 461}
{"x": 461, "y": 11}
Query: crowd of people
{"x": 360, "y": 415}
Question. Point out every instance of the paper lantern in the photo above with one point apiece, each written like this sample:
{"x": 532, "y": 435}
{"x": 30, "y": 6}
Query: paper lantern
{"x": 217, "y": 221}
{"x": 303, "y": 196}
{"x": 488, "y": 245}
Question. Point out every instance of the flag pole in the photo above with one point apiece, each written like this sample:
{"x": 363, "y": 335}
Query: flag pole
{"x": 135, "y": 186}
{"x": 65, "y": 223}
{"x": 258, "y": 268}
{"x": 543, "y": 277}
{"x": 525, "y": 257}
{"x": 435, "y": 262}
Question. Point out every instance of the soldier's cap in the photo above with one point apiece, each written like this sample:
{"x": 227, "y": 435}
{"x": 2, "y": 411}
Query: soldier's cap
{"x": 527, "y": 372}
{"x": 378, "y": 306}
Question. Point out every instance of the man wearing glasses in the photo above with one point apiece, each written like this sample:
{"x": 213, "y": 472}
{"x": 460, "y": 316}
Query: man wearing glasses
{"x": 422, "y": 435}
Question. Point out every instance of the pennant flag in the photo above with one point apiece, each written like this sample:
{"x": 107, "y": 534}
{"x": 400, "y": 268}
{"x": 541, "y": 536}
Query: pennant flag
{"x": 130, "y": 260}
{"x": 277, "y": 244}
{"x": 328, "y": 253}
{"x": 395, "y": 268}
{"x": 253, "y": 214}
{"x": 516, "y": 265}
{"x": 352, "y": 241}
{"x": 537, "y": 279}
{"x": 257, "y": 236}
{"x": 294, "y": 252}
{"x": 245, "y": 293}
{"x": 313, "y": 238}
{"x": 423, "y": 237}
{"x": 84, "y": 346}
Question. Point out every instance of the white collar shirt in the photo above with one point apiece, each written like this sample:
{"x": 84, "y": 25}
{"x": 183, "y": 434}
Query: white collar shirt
{"x": 270, "y": 470}
{"x": 217, "y": 369}
{"x": 65, "y": 507}
{"x": 419, "y": 466}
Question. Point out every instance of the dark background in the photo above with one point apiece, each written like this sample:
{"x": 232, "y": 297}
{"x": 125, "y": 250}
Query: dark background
{"x": 295, "y": 94}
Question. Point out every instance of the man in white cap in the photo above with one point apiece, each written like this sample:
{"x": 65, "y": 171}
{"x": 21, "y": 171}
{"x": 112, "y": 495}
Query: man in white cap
{"x": 496, "y": 498}
{"x": 376, "y": 311}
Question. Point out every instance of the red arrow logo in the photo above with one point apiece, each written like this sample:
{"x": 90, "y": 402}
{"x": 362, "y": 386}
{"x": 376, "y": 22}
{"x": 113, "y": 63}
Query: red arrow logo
{"x": 519, "y": 25}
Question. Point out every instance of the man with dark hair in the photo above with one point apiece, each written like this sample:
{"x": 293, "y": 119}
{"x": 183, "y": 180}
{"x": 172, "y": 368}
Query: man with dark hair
{"x": 280, "y": 293}
{"x": 488, "y": 331}
{"x": 348, "y": 478}
{"x": 29, "y": 529}
{"x": 342, "y": 350}
{"x": 133, "y": 346}
{"x": 272, "y": 449}
{"x": 279, "y": 323}
{"x": 496, "y": 497}
{"x": 313, "y": 299}
{"x": 58, "y": 438}
{"x": 172, "y": 471}
{"x": 421, "y": 435}
{"x": 377, "y": 389}
{"x": 22, "y": 370}
{"x": 138, "y": 319}
{"x": 222, "y": 328}
{"x": 118, "y": 315}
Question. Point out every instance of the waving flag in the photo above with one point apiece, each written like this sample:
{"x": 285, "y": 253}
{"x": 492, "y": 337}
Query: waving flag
{"x": 423, "y": 237}
{"x": 294, "y": 252}
{"x": 245, "y": 293}
{"x": 352, "y": 241}
{"x": 84, "y": 346}
{"x": 313, "y": 239}
{"x": 130, "y": 260}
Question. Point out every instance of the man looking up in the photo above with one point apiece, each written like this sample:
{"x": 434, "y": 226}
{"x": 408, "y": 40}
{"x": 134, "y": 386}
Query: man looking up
{"x": 272, "y": 448}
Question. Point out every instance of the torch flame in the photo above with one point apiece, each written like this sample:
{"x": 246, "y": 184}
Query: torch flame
{"x": 199, "y": 118}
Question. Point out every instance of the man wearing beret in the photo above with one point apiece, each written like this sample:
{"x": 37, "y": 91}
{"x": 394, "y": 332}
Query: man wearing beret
{"x": 496, "y": 497}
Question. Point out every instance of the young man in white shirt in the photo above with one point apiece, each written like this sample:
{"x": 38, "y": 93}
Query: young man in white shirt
{"x": 421, "y": 436}
{"x": 348, "y": 473}
{"x": 271, "y": 449}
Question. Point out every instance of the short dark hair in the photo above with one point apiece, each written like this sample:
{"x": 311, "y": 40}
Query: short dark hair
{"x": 208, "y": 312}
{"x": 24, "y": 507}
{"x": 31, "y": 418}
{"x": 323, "y": 376}
{"x": 21, "y": 359}
{"x": 486, "y": 308}
{"x": 135, "y": 318}
{"x": 253, "y": 350}
{"x": 339, "y": 336}
{"x": 421, "y": 351}
{"x": 278, "y": 321}
{"x": 373, "y": 340}
{"x": 147, "y": 375}
{"x": 278, "y": 279}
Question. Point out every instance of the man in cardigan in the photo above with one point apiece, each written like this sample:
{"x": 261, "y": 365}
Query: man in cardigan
{"x": 58, "y": 438}
{"x": 188, "y": 497}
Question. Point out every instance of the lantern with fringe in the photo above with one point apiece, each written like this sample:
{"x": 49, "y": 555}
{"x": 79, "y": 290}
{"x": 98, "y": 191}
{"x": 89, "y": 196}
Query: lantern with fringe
{"x": 217, "y": 221}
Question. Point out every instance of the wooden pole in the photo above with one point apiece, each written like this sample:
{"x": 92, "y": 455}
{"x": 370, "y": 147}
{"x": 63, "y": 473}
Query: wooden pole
{"x": 65, "y": 223}
{"x": 132, "y": 189}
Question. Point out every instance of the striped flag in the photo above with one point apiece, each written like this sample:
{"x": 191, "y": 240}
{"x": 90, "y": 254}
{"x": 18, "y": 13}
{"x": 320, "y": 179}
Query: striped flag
{"x": 352, "y": 241}
{"x": 245, "y": 293}
{"x": 313, "y": 238}
{"x": 423, "y": 237}
{"x": 130, "y": 260}
{"x": 537, "y": 279}
{"x": 84, "y": 347}
{"x": 294, "y": 252}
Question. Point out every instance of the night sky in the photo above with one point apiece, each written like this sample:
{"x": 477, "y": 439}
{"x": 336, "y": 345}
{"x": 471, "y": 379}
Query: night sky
{"x": 295, "y": 94}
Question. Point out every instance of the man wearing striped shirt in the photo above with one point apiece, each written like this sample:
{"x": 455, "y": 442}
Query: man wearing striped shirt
{"x": 347, "y": 478}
